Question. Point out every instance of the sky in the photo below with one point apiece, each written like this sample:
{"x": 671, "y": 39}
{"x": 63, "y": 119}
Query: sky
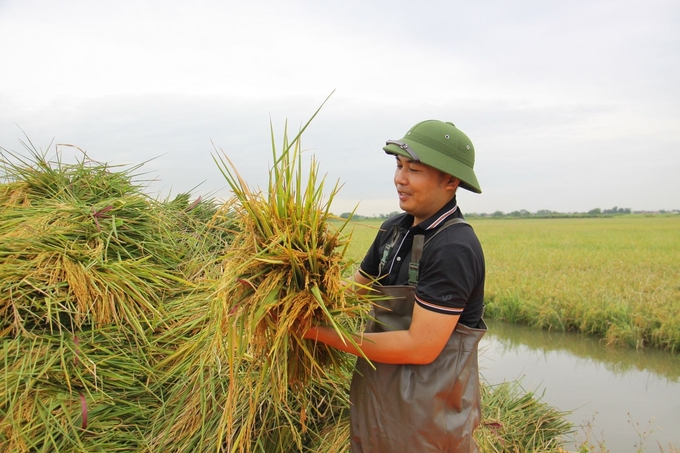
{"x": 571, "y": 106}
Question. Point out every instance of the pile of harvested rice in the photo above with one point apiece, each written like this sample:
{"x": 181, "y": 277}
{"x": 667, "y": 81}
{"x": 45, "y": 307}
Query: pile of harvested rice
{"x": 87, "y": 262}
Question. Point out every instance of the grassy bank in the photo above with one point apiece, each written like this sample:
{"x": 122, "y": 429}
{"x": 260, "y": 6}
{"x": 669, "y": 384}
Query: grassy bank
{"x": 616, "y": 278}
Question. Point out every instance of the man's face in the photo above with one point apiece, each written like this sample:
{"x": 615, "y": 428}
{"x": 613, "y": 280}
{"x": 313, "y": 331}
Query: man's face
{"x": 422, "y": 190}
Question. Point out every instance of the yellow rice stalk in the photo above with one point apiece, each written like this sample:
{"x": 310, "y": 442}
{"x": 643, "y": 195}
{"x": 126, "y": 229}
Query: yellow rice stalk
{"x": 87, "y": 263}
{"x": 75, "y": 393}
{"x": 284, "y": 270}
{"x": 81, "y": 246}
{"x": 13, "y": 194}
{"x": 245, "y": 380}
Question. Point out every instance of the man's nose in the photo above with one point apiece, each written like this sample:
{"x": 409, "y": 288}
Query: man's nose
{"x": 400, "y": 177}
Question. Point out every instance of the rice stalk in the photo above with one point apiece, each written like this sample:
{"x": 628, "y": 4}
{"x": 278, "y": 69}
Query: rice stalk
{"x": 81, "y": 246}
{"x": 87, "y": 264}
{"x": 515, "y": 420}
{"x": 284, "y": 269}
{"x": 75, "y": 393}
{"x": 283, "y": 272}
{"x": 247, "y": 381}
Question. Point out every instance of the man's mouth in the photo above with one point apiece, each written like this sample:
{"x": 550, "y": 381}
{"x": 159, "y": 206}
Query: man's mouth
{"x": 403, "y": 195}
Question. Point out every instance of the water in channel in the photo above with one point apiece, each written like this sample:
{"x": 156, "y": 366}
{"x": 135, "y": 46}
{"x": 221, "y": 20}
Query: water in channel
{"x": 629, "y": 398}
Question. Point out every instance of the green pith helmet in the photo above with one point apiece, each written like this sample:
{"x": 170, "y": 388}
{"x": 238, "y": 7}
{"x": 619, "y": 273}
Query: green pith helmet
{"x": 442, "y": 146}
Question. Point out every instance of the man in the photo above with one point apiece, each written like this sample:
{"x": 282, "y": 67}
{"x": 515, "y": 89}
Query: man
{"x": 420, "y": 391}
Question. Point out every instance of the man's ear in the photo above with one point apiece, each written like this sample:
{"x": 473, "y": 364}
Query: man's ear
{"x": 452, "y": 182}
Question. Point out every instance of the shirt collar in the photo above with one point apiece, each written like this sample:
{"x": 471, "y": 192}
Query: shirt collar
{"x": 448, "y": 210}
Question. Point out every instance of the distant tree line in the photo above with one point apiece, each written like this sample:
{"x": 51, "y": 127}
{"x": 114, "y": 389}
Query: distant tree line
{"x": 546, "y": 213}
{"x": 523, "y": 213}
{"x": 346, "y": 215}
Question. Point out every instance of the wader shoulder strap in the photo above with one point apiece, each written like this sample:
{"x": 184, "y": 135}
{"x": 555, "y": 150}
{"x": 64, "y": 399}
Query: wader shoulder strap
{"x": 419, "y": 246}
{"x": 388, "y": 249}
{"x": 416, "y": 254}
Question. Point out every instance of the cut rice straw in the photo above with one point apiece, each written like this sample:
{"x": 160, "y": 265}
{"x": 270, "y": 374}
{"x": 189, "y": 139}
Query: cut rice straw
{"x": 284, "y": 270}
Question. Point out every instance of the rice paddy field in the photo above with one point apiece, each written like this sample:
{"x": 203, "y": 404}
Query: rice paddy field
{"x": 617, "y": 278}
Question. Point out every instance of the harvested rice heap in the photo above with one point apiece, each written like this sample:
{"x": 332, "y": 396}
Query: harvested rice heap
{"x": 86, "y": 262}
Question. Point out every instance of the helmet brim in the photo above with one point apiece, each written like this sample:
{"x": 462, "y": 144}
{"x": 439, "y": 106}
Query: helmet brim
{"x": 440, "y": 161}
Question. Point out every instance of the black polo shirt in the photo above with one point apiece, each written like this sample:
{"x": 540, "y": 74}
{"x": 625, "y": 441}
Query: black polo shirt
{"x": 451, "y": 270}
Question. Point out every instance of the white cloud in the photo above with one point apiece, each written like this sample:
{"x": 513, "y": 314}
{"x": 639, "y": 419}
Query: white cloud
{"x": 566, "y": 103}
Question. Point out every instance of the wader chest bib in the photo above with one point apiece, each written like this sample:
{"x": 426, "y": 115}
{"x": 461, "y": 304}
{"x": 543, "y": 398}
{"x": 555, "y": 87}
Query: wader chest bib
{"x": 430, "y": 408}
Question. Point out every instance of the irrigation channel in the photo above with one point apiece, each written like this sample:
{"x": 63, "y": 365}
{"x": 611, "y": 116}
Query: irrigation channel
{"x": 628, "y": 398}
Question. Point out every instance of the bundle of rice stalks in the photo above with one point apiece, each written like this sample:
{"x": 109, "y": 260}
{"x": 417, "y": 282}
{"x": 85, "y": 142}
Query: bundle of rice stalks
{"x": 81, "y": 245}
{"x": 285, "y": 270}
{"x": 214, "y": 408}
{"x": 87, "y": 264}
{"x": 201, "y": 234}
{"x": 247, "y": 380}
{"x": 75, "y": 393}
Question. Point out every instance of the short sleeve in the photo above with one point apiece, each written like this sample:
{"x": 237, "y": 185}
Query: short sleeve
{"x": 449, "y": 273}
